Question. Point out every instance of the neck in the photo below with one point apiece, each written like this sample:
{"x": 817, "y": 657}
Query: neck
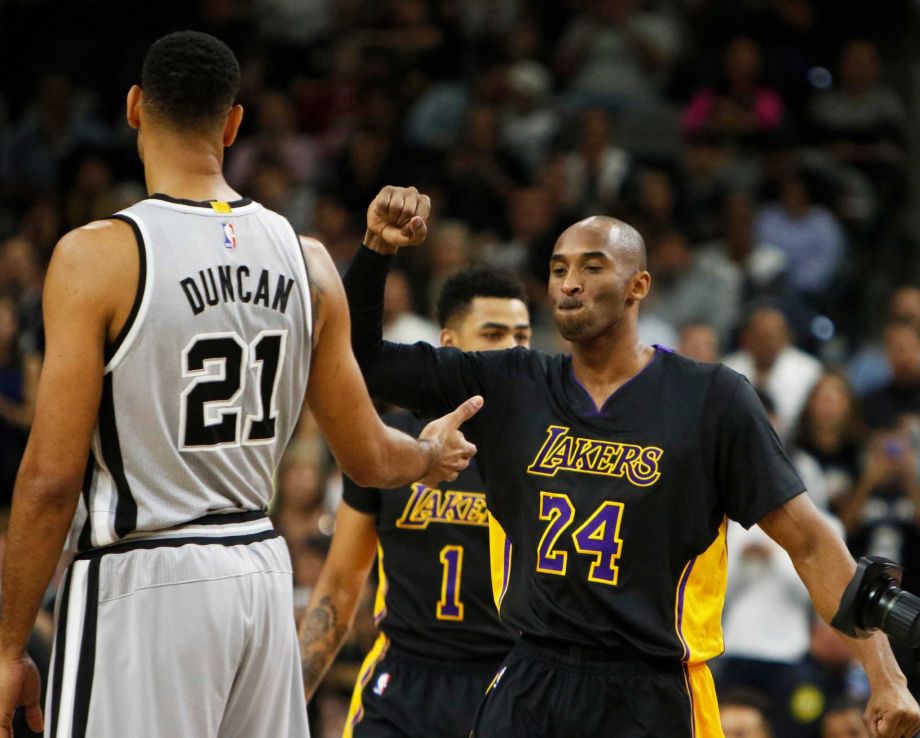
{"x": 186, "y": 167}
{"x": 605, "y": 363}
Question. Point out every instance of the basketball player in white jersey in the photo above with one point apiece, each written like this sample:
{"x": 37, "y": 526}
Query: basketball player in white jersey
{"x": 180, "y": 338}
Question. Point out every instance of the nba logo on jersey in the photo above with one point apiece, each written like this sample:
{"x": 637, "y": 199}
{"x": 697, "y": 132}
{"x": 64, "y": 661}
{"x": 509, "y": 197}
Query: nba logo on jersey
{"x": 229, "y": 236}
{"x": 382, "y": 681}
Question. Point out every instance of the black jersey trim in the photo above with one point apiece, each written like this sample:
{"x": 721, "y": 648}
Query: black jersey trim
{"x": 86, "y": 664}
{"x": 149, "y": 543}
{"x": 112, "y": 349}
{"x": 60, "y": 645}
{"x": 126, "y": 505}
{"x": 86, "y": 534}
{"x": 199, "y": 203}
{"x": 230, "y": 518}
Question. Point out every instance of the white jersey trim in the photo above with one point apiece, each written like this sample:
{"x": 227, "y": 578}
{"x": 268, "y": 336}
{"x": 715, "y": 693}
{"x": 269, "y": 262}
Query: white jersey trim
{"x": 246, "y": 209}
{"x": 145, "y": 298}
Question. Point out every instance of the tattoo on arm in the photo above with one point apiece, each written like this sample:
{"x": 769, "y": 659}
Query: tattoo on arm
{"x": 323, "y": 633}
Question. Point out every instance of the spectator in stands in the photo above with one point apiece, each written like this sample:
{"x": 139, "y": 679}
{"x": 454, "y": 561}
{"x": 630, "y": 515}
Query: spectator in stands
{"x": 882, "y": 515}
{"x": 744, "y": 714}
{"x": 868, "y": 369}
{"x": 400, "y": 323}
{"x": 898, "y": 400}
{"x": 597, "y": 170}
{"x": 756, "y": 268}
{"x": 772, "y": 363}
{"x": 844, "y": 720}
{"x": 863, "y": 123}
{"x": 276, "y": 136}
{"x": 808, "y": 235}
{"x": 271, "y": 183}
{"x": 830, "y": 429}
{"x": 616, "y": 55}
{"x": 698, "y": 341}
{"x": 481, "y": 172}
{"x": 739, "y": 107}
{"x": 57, "y": 124}
{"x": 530, "y": 123}
{"x": 18, "y": 383}
{"x": 21, "y": 278}
{"x": 686, "y": 288}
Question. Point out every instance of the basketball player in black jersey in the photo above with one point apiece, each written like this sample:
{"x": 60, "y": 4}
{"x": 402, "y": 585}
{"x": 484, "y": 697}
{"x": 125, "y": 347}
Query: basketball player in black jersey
{"x": 186, "y": 115}
{"x": 612, "y": 473}
{"x": 441, "y": 641}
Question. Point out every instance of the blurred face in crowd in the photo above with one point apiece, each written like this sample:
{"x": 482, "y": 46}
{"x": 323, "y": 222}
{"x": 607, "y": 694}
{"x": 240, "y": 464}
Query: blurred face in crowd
{"x": 742, "y": 62}
{"x": 739, "y": 226}
{"x": 531, "y": 212}
{"x": 741, "y": 721}
{"x": 844, "y": 724}
{"x": 595, "y": 130}
{"x": 596, "y": 276}
{"x": 859, "y": 65}
{"x": 765, "y": 336}
{"x": 698, "y": 341}
{"x": 657, "y": 194}
{"x": 450, "y": 248}
{"x": 902, "y": 348}
{"x": 489, "y": 323}
{"x": 9, "y": 323}
{"x": 831, "y": 402}
{"x": 905, "y": 305}
{"x": 397, "y": 299}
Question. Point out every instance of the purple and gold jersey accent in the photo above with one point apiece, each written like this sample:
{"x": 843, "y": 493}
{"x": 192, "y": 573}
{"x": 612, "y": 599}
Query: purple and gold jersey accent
{"x": 610, "y": 520}
{"x": 435, "y": 595}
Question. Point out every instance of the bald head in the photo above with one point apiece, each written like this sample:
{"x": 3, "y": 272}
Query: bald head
{"x": 624, "y": 241}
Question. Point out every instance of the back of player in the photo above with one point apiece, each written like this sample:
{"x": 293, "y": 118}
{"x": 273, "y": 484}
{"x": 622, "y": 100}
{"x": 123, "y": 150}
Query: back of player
{"x": 201, "y": 393}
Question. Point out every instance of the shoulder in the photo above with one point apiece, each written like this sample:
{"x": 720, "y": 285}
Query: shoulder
{"x": 96, "y": 255}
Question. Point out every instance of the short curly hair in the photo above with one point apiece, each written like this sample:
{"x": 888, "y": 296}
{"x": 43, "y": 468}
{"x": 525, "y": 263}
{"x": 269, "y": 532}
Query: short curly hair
{"x": 480, "y": 281}
{"x": 190, "y": 79}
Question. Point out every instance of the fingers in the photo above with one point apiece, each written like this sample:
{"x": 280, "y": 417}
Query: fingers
{"x": 34, "y": 718}
{"x": 464, "y": 412}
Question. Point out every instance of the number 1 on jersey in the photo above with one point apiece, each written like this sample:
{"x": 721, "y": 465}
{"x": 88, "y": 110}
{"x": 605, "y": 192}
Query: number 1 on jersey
{"x": 449, "y": 606}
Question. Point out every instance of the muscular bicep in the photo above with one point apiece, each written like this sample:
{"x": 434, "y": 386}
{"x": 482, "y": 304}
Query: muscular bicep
{"x": 336, "y": 392}
{"x": 77, "y": 312}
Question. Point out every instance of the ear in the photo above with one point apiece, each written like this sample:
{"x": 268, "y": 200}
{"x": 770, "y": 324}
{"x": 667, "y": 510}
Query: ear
{"x": 133, "y": 107}
{"x": 639, "y": 285}
{"x": 232, "y": 127}
{"x": 448, "y": 337}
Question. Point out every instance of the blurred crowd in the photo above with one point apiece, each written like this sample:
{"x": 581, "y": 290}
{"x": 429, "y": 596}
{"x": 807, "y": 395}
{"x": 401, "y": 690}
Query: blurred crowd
{"x": 760, "y": 146}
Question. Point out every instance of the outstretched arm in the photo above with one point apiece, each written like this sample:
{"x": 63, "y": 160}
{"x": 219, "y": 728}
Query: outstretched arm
{"x": 367, "y": 450}
{"x": 418, "y": 377}
{"x": 335, "y": 597}
{"x": 826, "y": 567}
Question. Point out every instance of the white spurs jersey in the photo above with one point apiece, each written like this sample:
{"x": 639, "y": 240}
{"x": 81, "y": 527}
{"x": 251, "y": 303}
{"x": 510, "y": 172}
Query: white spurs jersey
{"x": 204, "y": 385}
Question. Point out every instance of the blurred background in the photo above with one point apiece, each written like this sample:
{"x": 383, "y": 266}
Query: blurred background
{"x": 766, "y": 150}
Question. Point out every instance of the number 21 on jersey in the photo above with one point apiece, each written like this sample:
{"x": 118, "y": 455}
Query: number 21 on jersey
{"x": 598, "y": 536}
{"x": 210, "y": 415}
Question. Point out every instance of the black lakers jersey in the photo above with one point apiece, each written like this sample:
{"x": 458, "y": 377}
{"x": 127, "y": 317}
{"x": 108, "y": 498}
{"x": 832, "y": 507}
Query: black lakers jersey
{"x": 435, "y": 595}
{"x": 615, "y": 516}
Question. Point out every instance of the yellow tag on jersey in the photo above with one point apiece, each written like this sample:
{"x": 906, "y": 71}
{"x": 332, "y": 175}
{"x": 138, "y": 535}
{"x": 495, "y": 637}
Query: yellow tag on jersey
{"x": 221, "y": 207}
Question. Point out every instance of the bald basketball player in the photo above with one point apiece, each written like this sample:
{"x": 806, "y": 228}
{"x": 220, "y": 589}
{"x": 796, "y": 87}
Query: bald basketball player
{"x": 612, "y": 473}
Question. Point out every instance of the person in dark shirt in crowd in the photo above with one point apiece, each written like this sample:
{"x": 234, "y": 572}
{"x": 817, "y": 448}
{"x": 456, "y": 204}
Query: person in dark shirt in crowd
{"x": 899, "y": 400}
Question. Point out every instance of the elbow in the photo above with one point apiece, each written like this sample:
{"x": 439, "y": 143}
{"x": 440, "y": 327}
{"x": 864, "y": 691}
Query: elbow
{"x": 48, "y": 486}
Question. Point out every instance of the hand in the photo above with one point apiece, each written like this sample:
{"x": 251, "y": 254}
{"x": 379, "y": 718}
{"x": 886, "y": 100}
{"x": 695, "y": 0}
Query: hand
{"x": 450, "y": 451}
{"x": 892, "y": 712}
{"x": 397, "y": 217}
{"x": 20, "y": 684}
